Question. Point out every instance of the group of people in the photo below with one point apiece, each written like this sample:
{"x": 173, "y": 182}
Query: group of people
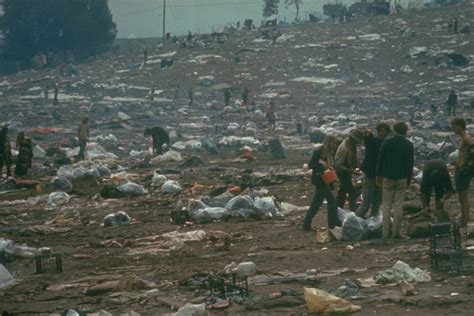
{"x": 387, "y": 167}
{"x": 25, "y": 153}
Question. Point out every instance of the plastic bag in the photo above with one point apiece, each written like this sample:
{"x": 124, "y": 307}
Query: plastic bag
{"x": 374, "y": 225}
{"x": 62, "y": 184}
{"x": 6, "y": 279}
{"x": 402, "y": 272}
{"x": 209, "y": 214}
{"x": 137, "y": 153}
{"x": 38, "y": 152}
{"x": 266, "y": 205}
{"x": 104, "y": 171}
{"x": 171, "y": 156}
{"x": 6, "y": 246}
{"x": 171, "y": 186}
{"x": 342, "y": 214}
{"x": 133, "y": 189}
{"x": 240, "y": 202}
{"x": 95, "y": 151}
{"x": 192, "y": 310}
{"x": 58, "y": 198}
{"x": 117, "y": 219}
{"x": 246, "y": 269}
{"x": 319, "y": 301}
{"x": 221, "y": 200}
{"x": 354, "y": 228}
{"x": 245, "y": 214}
{"x": 158, "y": 179}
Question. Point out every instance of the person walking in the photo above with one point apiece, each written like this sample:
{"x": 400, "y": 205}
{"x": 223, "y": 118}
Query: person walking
{"x": 227, "y": 97}
{"x": 5, "y": 152}
{"x": 464, "y": 167}
{"x": 83, "y": 134}
{"x": 394, "y": 175}
{"x": 371, "y": 193}
{"x": 25, "y": 155}
{"x": 346, "y": 164}
{"x": 322, "y": 160}
{"x": 271, "y": 116}
{"x": 452, "y": 102}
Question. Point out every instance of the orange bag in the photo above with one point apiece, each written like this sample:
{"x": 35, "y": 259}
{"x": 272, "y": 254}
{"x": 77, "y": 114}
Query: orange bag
{"x": 329, "y": 176}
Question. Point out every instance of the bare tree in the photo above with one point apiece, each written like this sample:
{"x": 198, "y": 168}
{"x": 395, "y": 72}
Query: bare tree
{"x": 297, "y": 4}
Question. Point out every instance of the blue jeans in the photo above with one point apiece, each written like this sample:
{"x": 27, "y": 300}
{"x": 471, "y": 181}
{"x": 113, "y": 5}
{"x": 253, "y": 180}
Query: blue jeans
{"x": 372, "y": 196}
{"x": 323, "y": 192}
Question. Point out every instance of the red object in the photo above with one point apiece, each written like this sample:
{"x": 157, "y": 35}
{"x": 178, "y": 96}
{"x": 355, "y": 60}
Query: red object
{"x": 329, "y": 176}
{"x": 42, "y": 130}
{"x": 235, "y": 190}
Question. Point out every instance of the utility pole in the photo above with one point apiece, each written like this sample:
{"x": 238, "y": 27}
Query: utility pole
{"x": 164, "y": 20}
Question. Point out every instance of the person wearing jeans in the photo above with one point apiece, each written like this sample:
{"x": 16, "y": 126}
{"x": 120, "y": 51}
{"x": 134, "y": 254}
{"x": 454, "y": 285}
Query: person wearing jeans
{"x": 346, "y": 163}
{"x": 394, "y": 173}
{"x": 321, "y": 160}
{"x": 371, "y": 193}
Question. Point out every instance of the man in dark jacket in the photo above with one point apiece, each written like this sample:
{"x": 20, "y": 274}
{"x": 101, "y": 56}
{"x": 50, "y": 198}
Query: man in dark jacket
{"x": 159, "y": 137}
{"x": 394, "y": 174}
{"x": 372, "y": 194}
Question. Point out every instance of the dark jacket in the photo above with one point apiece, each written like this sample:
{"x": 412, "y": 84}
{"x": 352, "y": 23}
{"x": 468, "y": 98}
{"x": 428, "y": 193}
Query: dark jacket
{"x": 315, "y": 165}
{"x": 426, "y": 180}
{"x": 372, "y": 149}
{"x": 396, "y": 159}
{"x": 160, "y": 135}
{"x": 452, "y": 99}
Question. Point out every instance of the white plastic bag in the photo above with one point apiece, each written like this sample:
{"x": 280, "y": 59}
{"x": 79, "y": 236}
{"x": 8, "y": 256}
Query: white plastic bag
{"x": 171, "y": 186}
{"x": 158, "y": 179}
{"x": 133, "y": 189}
{"x": 58, "y": 198}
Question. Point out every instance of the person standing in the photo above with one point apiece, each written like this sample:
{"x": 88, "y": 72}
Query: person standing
{"x": 152, "y": 93}
{"x": 464, "y": 167}
{"x": 56, "y": 92}
{"x": 322, "y": 160}
{"x": 346, "y": 164}
{"x": 145, "y": 56}
{"x": 160, "y": 137}
{"x": 191, "y": 97}
{"x": 394, "y": 175}
{"x": 5, "y": 152}
{"x": 455, "y": 25}
{"x": 46, "y": 93}
{"x": 435, "y": 176}
{"x": 227, "y": 97}
{"x": 245, "y": 96}
{"x": 271, "y": 116}
{"x": 452, "y": 102}
{"x": 83, "y": 134}
{"x": 25, "y": 154}
{"x": 372, "y": 194}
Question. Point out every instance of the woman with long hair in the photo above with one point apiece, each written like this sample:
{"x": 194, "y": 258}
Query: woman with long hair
{"x": 321, "y": 161}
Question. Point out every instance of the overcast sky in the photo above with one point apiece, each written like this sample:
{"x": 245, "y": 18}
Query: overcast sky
{"x": 143, "y": 18}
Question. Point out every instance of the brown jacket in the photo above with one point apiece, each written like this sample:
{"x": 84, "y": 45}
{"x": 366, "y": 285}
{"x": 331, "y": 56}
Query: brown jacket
{"x": 83, "y": 132}
{"x": 346, "y": 157}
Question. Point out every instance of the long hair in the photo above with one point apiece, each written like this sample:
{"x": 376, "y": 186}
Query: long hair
{"x": 329, "y": 144}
